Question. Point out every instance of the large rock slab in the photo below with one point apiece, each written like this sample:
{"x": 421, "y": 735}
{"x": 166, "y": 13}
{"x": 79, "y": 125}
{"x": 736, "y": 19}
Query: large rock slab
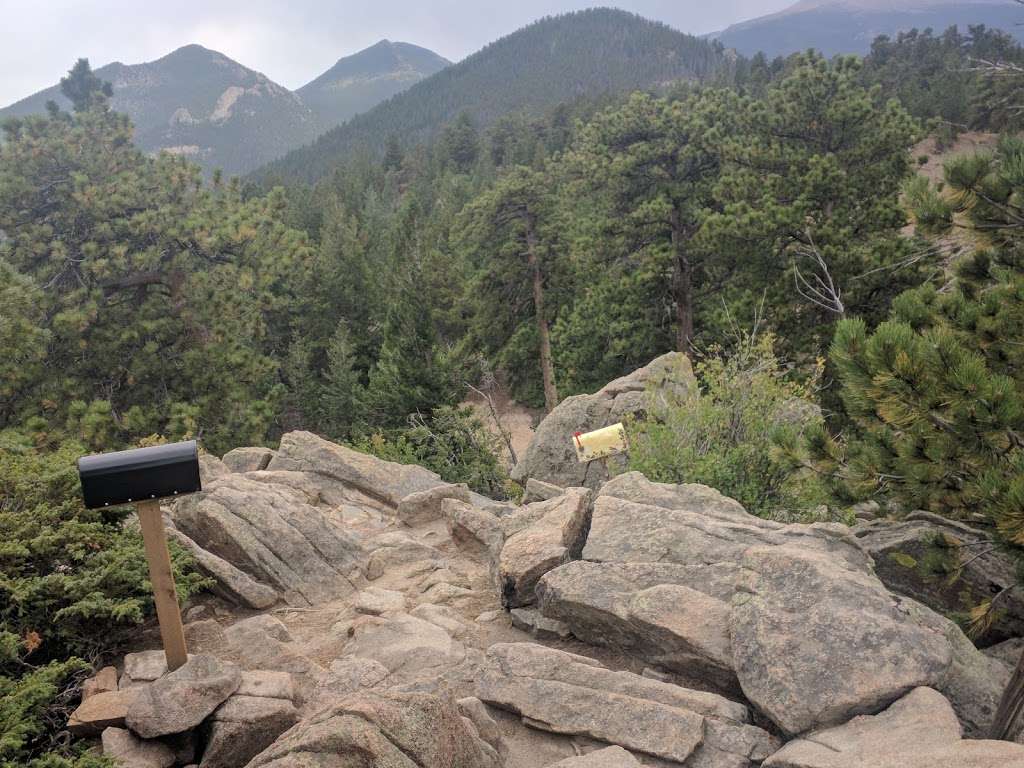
{"x": 673, "y": 616}
{"x": 556, "y": 536}
{"x": 609, "y": 757}
{"x": 408, "y": 646}
{"x": 949, "y": 566}
{"x": 99, "y": 712}
{"x": 425, "y": 506}
{"x": 918, "y": 731}
{"x": 565, "y": 693}
{"x": 129, "y": 751}
{"x": 815, "y": 643}
{"x": 242, "y": 727}
{"x": 390, "y": 730}
{"x": 182, "y": 699}
{"x": 551, "y": 457}
{"x": 709, "y": 530}
{"x": 475, "y": 530}
{"x": 271, "y": 533}
{"x": 384, "y": 480}
{"x": 232, "y": 584}
{"x": 247, "y": 459}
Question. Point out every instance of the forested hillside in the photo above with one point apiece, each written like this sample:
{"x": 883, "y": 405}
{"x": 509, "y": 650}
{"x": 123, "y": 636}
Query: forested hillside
{"x": 549, "y": 62}
{"x": 557, "y": 211}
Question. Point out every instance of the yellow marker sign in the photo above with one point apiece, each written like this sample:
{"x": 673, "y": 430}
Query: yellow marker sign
{"x": 601, "y": 443}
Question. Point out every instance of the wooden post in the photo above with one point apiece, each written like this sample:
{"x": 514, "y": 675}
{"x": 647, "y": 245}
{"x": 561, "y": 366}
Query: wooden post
{"x": 159, "y": 559}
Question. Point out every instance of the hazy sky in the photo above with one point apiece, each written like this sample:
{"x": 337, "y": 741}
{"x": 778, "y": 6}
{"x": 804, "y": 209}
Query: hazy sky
{"x": 291, "y": 41}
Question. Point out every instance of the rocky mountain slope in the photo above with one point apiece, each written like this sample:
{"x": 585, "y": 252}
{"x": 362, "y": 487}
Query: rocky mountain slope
{"x": 849, "y": 26}
{"x": 538, "y": 67}
{"x": 359, "y": 82}
{"x": 370, "y": 614}
{"x": 220, "y": 114}
{"x": 201, "y": 104}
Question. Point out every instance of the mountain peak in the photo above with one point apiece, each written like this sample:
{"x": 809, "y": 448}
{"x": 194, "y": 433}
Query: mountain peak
{"x": 358, "y": 82}
{"x": 553, "y": 60}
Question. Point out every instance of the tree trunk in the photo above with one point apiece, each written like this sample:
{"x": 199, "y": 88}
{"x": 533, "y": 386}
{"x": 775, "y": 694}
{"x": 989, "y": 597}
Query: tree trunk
{"x": 1010, "y": 708}
{"x": 682, "y": 284}
{"x": 547, "y": 367}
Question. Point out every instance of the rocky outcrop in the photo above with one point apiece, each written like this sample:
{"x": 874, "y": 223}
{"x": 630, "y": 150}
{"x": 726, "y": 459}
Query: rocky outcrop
{"x": 231, "y": 583}
{"x": 247, "y": 459}
{"x": 748, "y": 632}
{"x": 425, "y": 506}
{"x": 791, "y": 615}
{"x": 413, "y": 730}
{"x": 566, "y": 693}
{"x": 554, "y": 536}
{"x": 814, "y": 644}
{"x": 182, "y": 699}
{"x": 384, "y": 480}
{"x": 271, "y": 533}
{"x": 551, "y": 456}
{"x": 951, "y": 567}
{"x": 672, "y": 616}
{"x": 920, "y": 730}
{"x": 609, "y": 757}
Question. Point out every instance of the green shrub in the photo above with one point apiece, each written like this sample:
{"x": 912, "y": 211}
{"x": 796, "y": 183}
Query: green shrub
{"x": 727, "y": 434}
{"x": 73, "y": 582}
{"x": 452, "y": 442}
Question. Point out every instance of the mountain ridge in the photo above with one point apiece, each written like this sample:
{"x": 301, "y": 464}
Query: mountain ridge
{"x": 553, "y": 60}
{"x": 850, "y": 26}
{"x": 198, "y": 102}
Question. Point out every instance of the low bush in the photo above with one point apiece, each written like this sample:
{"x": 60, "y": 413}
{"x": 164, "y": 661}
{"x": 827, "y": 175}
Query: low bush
{"x": 727, "y": 433}
{"x": 73, "y": 585}
{"x": 452, "y": 442}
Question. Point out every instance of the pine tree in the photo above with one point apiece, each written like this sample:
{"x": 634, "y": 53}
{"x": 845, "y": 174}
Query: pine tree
{"x": 341, "y": 393}
{"x": 460, "y": 143}
{"x": 413, "y": 373}
{"x": 393, "y": 154}
{"x": 807, "y": 210}
{"x": 649, "y": 165}
{"x": 936, "y": 393}
{"x": 510, "y": 234}
{"x": 83, "y": 89}
{"x": 157, "y": 295}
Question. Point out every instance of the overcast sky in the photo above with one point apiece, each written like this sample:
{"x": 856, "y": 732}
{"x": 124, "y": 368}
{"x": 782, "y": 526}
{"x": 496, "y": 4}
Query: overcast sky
{"x": 291, "y": 41}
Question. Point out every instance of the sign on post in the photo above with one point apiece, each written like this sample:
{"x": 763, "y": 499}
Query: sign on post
{"x": 142, "y": 477}
{"x": 601, "y": 443}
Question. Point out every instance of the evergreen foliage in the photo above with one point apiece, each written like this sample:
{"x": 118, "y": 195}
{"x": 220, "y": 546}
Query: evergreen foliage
{"x": 936, "y": 392}
{"x": 158, "y": 298}
{"x": 450, "y": 441}
{"x": 73, "y": 583}
{"x": 716, "y": 434}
